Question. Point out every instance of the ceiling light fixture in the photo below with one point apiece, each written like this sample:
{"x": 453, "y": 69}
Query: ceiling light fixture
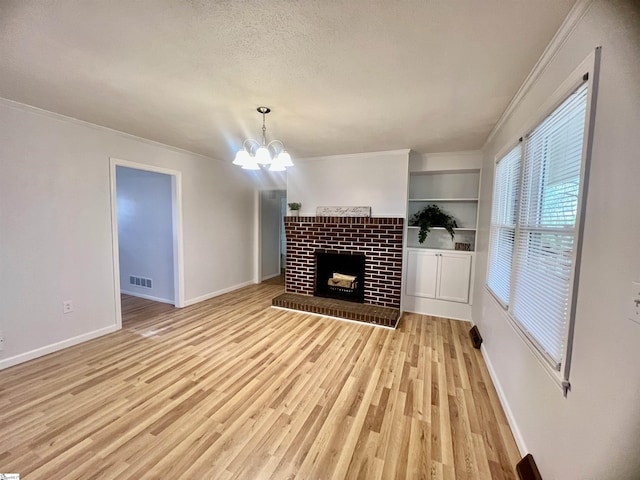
{"x": 253, "y": 154}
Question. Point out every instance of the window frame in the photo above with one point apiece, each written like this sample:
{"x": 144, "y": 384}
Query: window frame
{"x": 503, "y": 156}
{"x": 587, "y": 71}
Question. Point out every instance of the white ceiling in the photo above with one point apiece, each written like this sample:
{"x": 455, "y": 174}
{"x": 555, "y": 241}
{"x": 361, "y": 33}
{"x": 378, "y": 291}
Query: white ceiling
{"x": 341, "y": 76}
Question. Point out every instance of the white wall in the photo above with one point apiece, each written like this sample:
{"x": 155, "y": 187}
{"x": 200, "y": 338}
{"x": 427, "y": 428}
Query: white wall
{"x": 55, "y": 224}
{"x": 145, "y": 232}
{"x": 270, "y": 230}
{"x": 377, "y": 179}
{"x": 445, "y": 161}
{"x": 594, "y": 433}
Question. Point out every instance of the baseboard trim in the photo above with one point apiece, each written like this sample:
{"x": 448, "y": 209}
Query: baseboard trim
{"x": 54, "y": 347}
{"x": 147, "y": 297}
{"x": 450, "y": 317}
{"x": 271, "y": 276}
{"x": 517, "y": 435}
{"x": 207, "y": 296}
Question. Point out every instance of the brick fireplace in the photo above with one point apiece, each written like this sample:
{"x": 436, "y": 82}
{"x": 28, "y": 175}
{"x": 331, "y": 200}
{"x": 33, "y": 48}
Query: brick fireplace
{"x": 378, "y": 239}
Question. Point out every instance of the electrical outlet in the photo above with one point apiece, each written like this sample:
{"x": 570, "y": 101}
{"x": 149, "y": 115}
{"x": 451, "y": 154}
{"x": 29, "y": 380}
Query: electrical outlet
{"x": 67, "y": 306}
{"x": 635, "y": 302}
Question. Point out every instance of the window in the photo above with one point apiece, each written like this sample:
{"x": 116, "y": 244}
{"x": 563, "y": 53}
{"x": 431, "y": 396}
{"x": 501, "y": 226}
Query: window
{"x": 502, "y": 232}
{"x": 534, "y": 227}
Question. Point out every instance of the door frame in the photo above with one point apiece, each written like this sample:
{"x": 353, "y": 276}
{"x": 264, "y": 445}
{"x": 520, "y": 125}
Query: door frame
{"x": 258, "y": 230}
{"x": 176, "y": 216}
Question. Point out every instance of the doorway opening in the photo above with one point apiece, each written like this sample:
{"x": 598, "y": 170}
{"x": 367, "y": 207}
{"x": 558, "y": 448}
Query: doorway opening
{"x": 272, "y": 208}
{"x": 147, "y": 233}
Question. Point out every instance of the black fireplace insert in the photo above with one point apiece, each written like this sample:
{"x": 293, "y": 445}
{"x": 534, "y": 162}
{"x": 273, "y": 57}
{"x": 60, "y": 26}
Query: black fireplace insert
{"x": 340, "y": 275}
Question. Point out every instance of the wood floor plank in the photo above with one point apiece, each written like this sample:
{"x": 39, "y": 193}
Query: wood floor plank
{"x": 231, "y": 388}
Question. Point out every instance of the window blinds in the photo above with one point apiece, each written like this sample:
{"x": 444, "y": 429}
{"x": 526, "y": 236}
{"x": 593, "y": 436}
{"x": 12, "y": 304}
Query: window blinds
{"x": 546, "y": 221}
{"x": 503, "y": 224}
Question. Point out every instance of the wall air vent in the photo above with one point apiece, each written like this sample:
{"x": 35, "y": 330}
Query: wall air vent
{"x": 140, "y": 281}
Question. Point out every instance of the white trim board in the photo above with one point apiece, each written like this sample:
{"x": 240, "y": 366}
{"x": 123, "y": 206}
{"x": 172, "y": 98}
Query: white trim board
{"x": 207, "y": 296}
{"x": 517, "y": 435}
{"x": 178, "y": 241}
{"x": 54, "y": 347}
{"x": 271, "y": 276}
{"x": 347, "y": 156}
{"x": 95, "y": 126}
{"x": 147, "y": 297}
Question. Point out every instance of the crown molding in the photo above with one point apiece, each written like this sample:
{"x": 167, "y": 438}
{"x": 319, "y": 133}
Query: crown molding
{"x": 569, "y": 24}
{"x": 355, "y": 156}
{"x": 461, "y": 153}
{"x": 94, "y": 126}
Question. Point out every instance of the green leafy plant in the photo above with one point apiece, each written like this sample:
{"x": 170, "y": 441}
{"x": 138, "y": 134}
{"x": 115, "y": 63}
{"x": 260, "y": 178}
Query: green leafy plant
{"x": 432, "y": 216}
{"x": 295, "y": 206}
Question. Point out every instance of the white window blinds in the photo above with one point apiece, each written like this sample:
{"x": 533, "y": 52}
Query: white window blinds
{"x": 533, "y": 227}
{"x": 547, "y": 225}
{"x": 503, "y": 224}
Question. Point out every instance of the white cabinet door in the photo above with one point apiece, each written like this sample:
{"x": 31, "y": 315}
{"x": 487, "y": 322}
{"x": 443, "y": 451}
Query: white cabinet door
{"x": 455, "y": 275}
{"x": 422, "y": 274}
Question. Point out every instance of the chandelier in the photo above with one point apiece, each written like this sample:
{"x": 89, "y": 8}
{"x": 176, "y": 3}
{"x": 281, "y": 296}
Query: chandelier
{"x": 254, "y": 154}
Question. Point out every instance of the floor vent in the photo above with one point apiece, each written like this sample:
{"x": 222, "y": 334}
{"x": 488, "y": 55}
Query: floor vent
{"x": 476, "y": 339}
{"x": 527, "y": 469}
{"x": 140, "y": 281}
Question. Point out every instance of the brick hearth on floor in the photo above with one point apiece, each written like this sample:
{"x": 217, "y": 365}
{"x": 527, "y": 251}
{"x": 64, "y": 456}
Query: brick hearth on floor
{"x": 379, "y": 239}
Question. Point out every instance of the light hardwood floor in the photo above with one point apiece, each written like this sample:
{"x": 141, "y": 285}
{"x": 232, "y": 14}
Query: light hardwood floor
{"x": 231, "y": 388}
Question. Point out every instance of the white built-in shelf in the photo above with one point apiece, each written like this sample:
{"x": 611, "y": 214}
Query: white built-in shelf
{"x": 456, "y": 193}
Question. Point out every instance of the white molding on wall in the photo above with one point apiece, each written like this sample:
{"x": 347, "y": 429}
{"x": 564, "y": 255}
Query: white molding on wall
{"x": 356, "y": 156}
{"x": 178, "y": 240}
{"x": 257, "y": 241}
{"x": 95, "y": 126}
{"x": 517, "y": 435}
{"x": 147, "y": 297}
{"x": 54, "y": 347}
{"x": 207, "y": 296}
{"x": 461, "y": 153}
{"x": 568, "y": 25}
{"x": 271, "y": 276}
{"x": 433, "y": 306}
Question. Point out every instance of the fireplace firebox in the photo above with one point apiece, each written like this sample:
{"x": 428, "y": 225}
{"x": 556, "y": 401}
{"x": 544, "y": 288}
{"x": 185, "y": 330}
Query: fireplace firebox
{"x": 339, "y": 275}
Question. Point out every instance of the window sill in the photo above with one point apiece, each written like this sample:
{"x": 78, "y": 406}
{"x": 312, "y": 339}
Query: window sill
{"x": 555, "y": 375}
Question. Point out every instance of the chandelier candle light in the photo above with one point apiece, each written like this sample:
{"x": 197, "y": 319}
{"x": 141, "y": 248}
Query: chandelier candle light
{"x": 253, "y": 154}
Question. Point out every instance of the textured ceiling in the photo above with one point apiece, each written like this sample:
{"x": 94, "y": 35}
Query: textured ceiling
{"x": 341, "y": 76}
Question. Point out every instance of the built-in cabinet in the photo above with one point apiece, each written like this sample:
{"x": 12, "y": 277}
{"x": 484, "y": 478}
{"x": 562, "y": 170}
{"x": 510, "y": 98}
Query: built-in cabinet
{"x": 438, "y": 274}
{"x": 439, "y": 271}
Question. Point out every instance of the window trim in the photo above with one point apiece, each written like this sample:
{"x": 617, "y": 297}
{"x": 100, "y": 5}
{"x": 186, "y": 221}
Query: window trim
{"x": 590, "y": 68}
{"x": 500, "y": 156}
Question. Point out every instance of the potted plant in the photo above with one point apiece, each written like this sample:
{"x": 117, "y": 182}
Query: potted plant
{"x": 432, "y": 216}
{"x": 295, "y": 208}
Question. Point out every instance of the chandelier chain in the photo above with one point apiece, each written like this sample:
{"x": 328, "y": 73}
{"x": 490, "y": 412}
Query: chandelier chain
{"x": 264, "y": 130}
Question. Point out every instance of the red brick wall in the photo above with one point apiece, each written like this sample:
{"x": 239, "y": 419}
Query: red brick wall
{"x": 380, "y": 239}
